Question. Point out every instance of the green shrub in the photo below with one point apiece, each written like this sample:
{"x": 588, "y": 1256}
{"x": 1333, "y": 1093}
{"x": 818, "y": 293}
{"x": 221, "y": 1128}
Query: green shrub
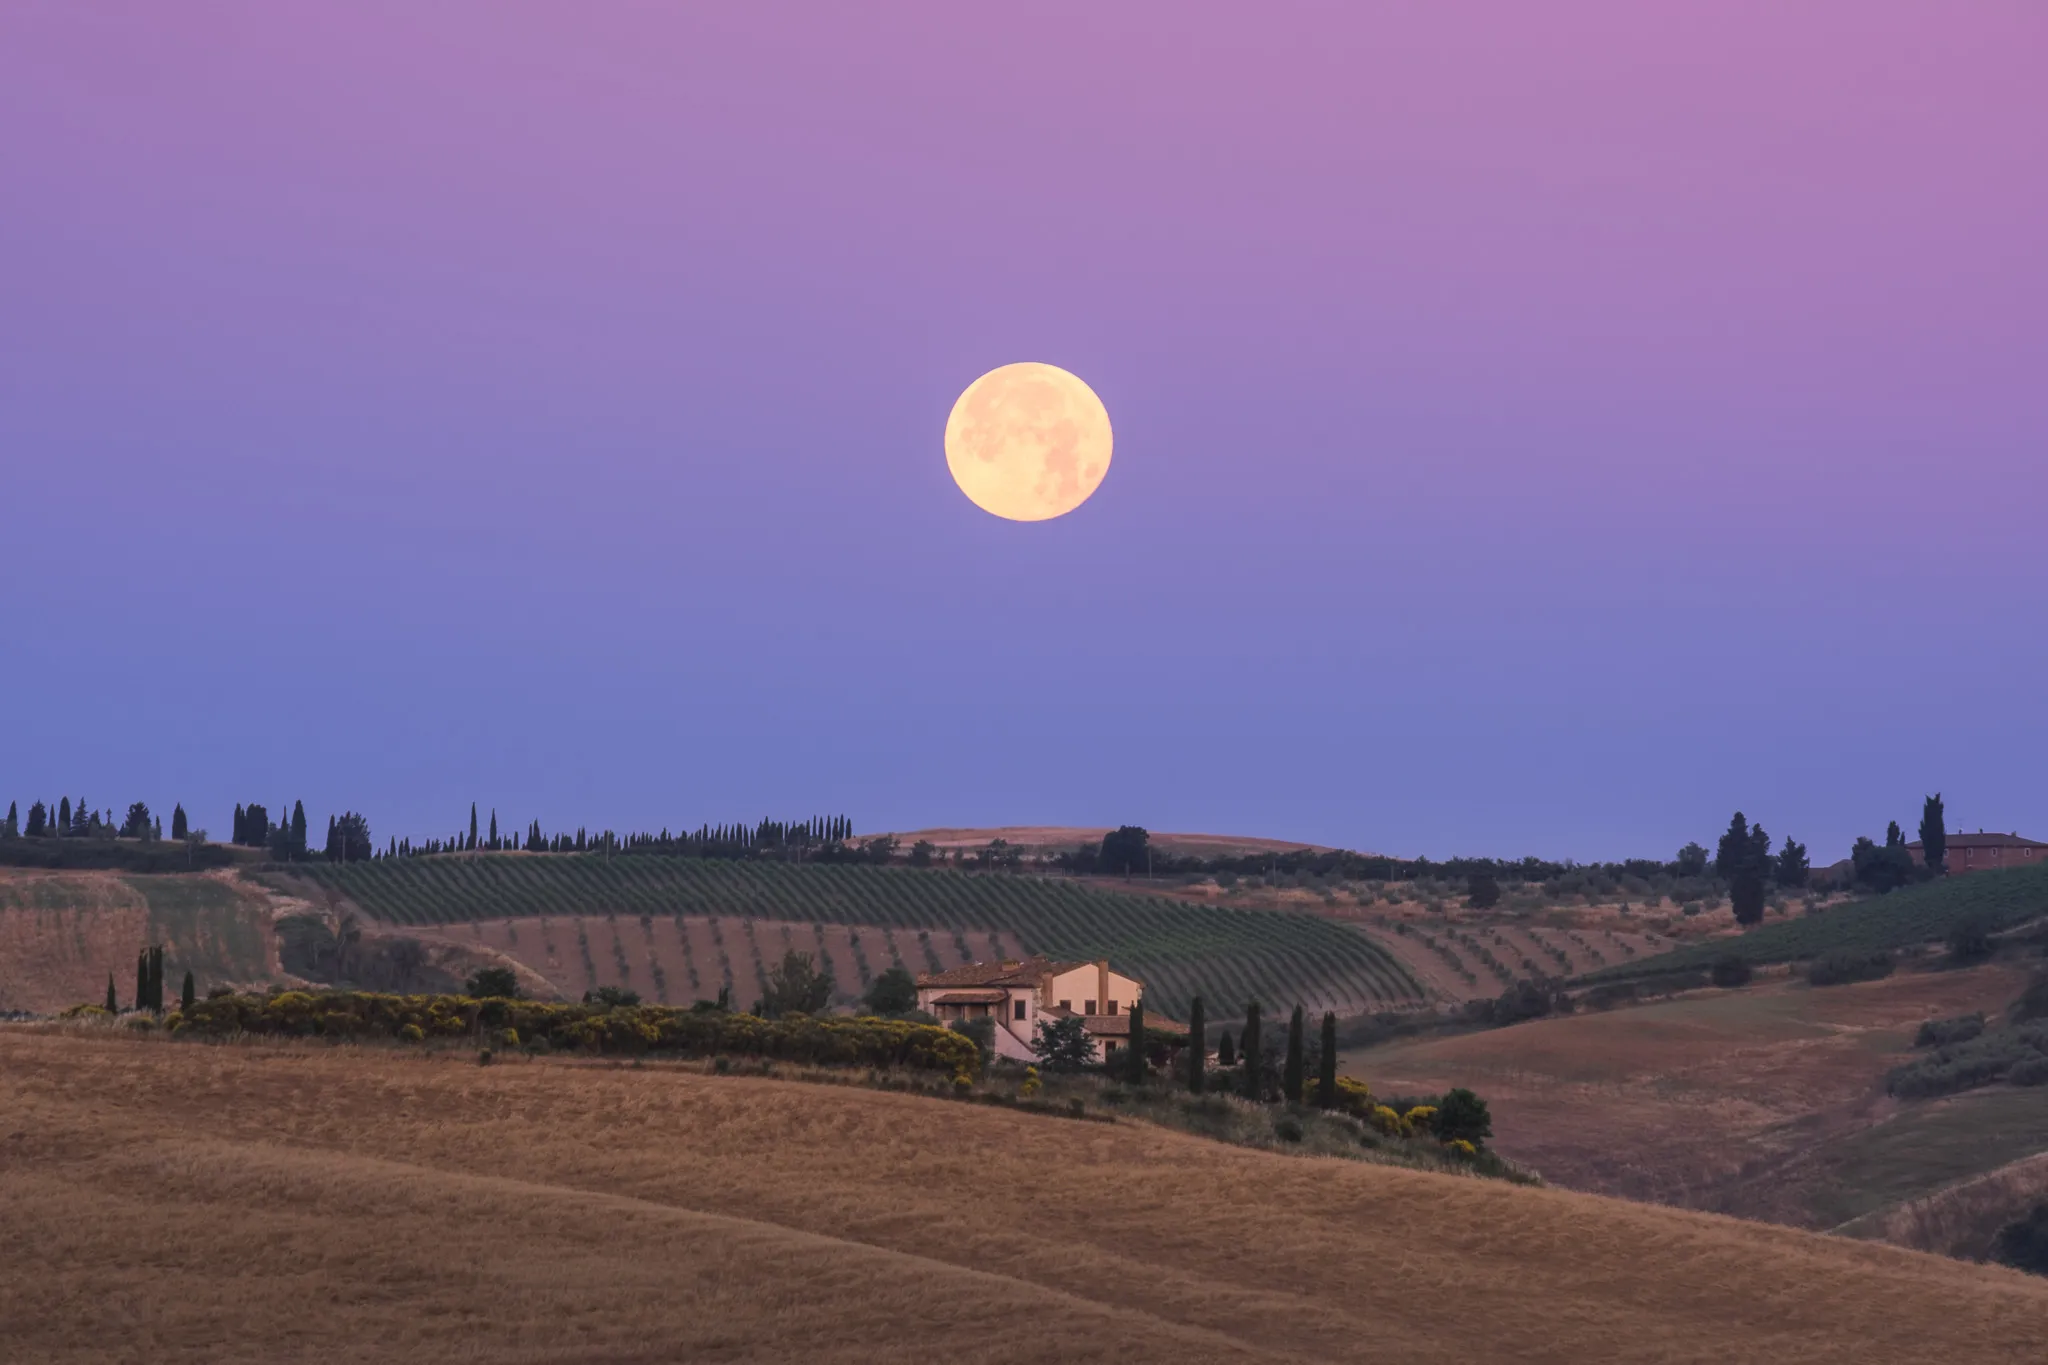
{"x": 2033, "y": 1002}
{"x": 2028, "y": 1071}
{"x": 1288, "y": 1128}
{"x": 1843, "y": 967}
{"x": 411, "y": 1033}
{"x": 487, "y": 982}
{"x": 1462, "y": 1116}
{"x": 1948, "y": 1032}
{"x": 2023, "y": 1243}
{"x": 1979, "y": 1061}
{"x": 1729, "y": 972}
{"x": 1969, "y": 940}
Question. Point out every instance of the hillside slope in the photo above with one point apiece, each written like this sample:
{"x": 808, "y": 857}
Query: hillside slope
{"x": 1903, "y": 919}
{"x": 63, "y": 933}
{"x": 1179, "y": 949}
{"x": 278, "y": 1204}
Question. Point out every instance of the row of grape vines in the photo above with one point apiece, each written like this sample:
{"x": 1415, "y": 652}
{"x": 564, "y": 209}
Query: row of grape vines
{"x": 1179, "y": 949}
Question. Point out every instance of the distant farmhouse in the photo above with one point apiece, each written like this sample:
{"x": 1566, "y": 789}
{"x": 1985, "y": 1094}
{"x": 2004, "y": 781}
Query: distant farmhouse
{"x": 1018, "y": 994}
{"x": 1981, "y": 852}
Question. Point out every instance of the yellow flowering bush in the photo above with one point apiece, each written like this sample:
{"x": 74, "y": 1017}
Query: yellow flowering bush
{"x": 1354, "y": 1098}
{"x": 1462, "y": 1148}
{"x": 1386, "y": 1122}
{"x": 1032, "y": 1085}
{"x": 86, "y": 1012}
{"x": 1421, "y": 1118}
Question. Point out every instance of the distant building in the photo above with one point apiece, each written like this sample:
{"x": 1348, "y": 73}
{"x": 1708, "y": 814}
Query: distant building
{"x": 1018, "y": 994}
{"x": 1981, "y": 852}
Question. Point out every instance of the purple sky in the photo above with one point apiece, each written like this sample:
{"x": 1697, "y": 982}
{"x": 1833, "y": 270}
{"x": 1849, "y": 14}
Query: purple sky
{"x": 1539, "y": 428}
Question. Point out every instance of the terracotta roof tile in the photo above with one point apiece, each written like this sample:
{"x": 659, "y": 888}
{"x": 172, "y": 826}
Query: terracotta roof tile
{"x": 970, "y": 998}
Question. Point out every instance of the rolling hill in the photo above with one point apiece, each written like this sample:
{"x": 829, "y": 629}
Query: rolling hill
{"x": 174, "y": 1202}
{"x": 1180, "y": 949}
{"x": 1906, "y": 918}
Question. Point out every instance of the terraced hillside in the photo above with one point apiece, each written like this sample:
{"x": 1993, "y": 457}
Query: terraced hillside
{"x": 1903, "y": 919}
{"x": 1179, "y": 949}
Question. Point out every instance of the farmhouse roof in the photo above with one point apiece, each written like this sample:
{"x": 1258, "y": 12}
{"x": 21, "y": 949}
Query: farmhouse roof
{"x": 1982, "y": 840}
{"x": 1007, "y": 972}
{"x": 970, "y": 998}
{"x": 1119, "y": 1025}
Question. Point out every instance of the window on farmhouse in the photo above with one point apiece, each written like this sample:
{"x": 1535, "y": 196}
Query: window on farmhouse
{"x": 1110, "y": 1008}
{"x": 1067, "y": 1005}
{"x": 1087, "y": 1007}
{"x": 1019, "y": 1004}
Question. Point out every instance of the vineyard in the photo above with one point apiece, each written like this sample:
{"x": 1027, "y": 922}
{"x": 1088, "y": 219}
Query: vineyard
{"x": 1903, "y": 919}
{"x": 1180, "y": 950}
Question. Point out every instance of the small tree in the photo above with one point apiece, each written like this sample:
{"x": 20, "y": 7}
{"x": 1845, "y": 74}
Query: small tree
{"x": 1791, "y": 867}
{"x": 492, "y": 983}
{"x": 136, "y": 825}
{"x": 921, "y": 853}
{"x": 1462, "y": 1114}
{"x": 1970, "y": 940}
{"x": 1226, "y": 1051}
{"x": 190, "y": 992}
{"x": 1293, "y": 1075}
{"x": 2023, "y": 1243}
{"x": 893, "y": 992}
{"x": 156, "y": 979}
{"x": 180, "y": 826}
{"x": 1137, "y": 1064}
{"x": 142, "y": 980}
{"x": 1063, "y": 1044}
{"x": 1248, "y": 1044}
{"x": 1482, "y": 891}
{"x": 798, "y": 986}
{"x": 1691, "y": 861}
{"x": 1198, "y": 1047}
{"x": 1934, "y": 834}
{"x": 1126, "y": 850}
{"x": 1326, "y": 1069}
{"x": 113, "y": 1004}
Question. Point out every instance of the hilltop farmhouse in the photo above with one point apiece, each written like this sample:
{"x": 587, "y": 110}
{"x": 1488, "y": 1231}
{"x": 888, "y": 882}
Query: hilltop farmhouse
{"x": 1019, "y": 994}
{"x": 1981, "y": 852}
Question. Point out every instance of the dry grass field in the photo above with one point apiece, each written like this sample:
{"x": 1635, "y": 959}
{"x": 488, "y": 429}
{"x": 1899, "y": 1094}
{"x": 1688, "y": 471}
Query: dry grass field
{"x": 164, "y": 1201}
{"x": 1766, "y": 1102}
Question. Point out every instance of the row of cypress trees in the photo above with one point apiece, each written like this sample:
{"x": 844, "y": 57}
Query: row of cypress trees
{"x": 149, "y": 984}
{"x": 1249, "y": 1050}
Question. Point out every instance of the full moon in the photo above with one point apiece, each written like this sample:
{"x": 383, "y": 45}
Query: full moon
{"x": 1029, "y": 442}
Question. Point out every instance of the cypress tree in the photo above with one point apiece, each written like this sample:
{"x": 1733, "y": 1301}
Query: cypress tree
{"x": 1248, "y": 1045}
{"x": 1292, "y": 1076}
{"x": 113, "y": 1005}
{"x": 241, "y": 825}
{"x": 1226, "y": 1054}
{"x": 156, "y": 979}
{"x": 1933, "y": 833}
{"x": 1326, "y": 1072}
{"x": 188, "y": 994}
{"x": 1197, "y": 1047}
{"x": 298, "y": 829}
{"x": 494, "y": 829}
{"x": 1137, "y": 1060}
{"x": 142, "y": 980}
{"x": 13, "y": 820}
{"x": 36, "y": 820}
{"x": 181, "y": 828}
{"x": 63, "y": 816}
{"x": 472, "y": 827}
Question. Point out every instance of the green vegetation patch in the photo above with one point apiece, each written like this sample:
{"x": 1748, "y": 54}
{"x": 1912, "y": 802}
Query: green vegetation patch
{"x": 1179, "y": 949}
{"x": 1927, "y": 1147}
{"x": 1903, "y": 919}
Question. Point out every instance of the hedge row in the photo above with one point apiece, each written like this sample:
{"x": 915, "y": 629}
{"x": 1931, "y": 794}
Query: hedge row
{"x": 631, "y": 1029}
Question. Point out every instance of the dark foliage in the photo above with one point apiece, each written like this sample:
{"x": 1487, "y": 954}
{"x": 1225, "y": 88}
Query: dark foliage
{"x": 1226, "y": 1051}
{"x": 1293, "y": 1074}
{"x": 488, "y": 983}
{"x": 1526, "y": 999}
{"x": 1064, "y": 1044}
{"x": 1949, "y": 1032}
{"x": 1970, "y": 940}
{"x": 1125, "y": 851}
{"x": 1198, "y": 1048}
{"x": 1462, "y": 1114}
{"x": 1934, "y": 834}
{"x": 1326, "y": 1064}
{"x": 892, "y": 992}
{"x": 1482, "y": 891}
{"x": 1842, "y": 968}
{"x": 1253, "y": 1056}
{"x": 797, "y": 985}
{"x": 606, "y": 997}
{"x": 2023, "y": 1243}
{"x": 1729, "y": 972}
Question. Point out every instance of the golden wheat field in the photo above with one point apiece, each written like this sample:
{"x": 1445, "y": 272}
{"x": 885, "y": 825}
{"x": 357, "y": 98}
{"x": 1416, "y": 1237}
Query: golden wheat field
{"x": 172, "y": 1201}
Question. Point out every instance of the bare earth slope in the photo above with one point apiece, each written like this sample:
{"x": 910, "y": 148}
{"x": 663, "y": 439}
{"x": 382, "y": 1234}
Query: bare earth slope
{"x": 172, "y": 1201}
